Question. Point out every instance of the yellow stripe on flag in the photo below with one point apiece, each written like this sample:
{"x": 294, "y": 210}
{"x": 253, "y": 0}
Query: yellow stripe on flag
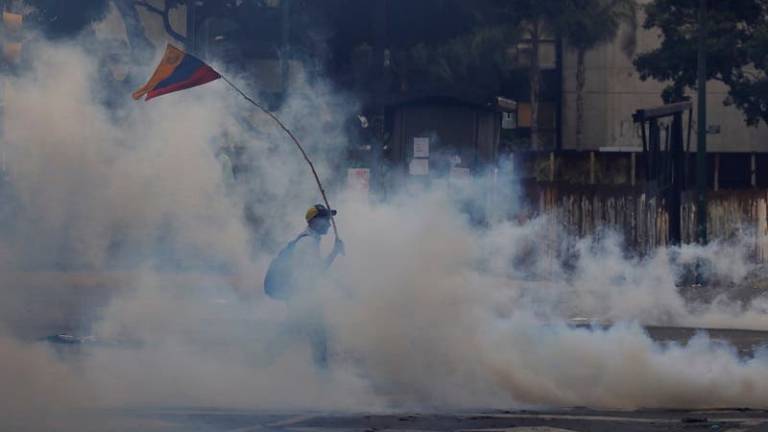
{"x": 12, "y": 21}
{"x": 12, "y": 51}
{"x": 168, "y": 64}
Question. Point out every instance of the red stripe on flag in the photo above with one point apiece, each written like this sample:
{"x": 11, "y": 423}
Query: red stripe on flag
{"x": 199, "y": 77}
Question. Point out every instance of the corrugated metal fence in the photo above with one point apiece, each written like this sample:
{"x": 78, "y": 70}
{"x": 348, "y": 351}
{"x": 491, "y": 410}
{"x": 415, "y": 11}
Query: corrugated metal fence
{"x": 643, "y": 219}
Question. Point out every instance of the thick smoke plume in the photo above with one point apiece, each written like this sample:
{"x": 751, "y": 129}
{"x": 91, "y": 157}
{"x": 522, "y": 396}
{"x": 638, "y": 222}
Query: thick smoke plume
{"x": 426, "y": 310}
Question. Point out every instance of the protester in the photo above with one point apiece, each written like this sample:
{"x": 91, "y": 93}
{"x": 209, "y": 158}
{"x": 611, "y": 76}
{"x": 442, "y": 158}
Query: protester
{"x": 294, "y": 273}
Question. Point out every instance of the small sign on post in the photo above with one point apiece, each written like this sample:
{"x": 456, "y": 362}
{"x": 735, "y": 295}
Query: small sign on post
{"x": 358, "y": 179}
{"x": 421, "y": 147}
{"x": 419, "y": 167}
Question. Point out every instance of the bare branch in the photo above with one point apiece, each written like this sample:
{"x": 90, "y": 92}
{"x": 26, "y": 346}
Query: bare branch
{"x": 165, "y": 13}
{"x": 149, "y": 7}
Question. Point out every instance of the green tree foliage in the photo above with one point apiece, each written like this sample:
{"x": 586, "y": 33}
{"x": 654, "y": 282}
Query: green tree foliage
{"x": 736, "y": 49}
{"x": 58, "y": 19}
{"x": 586, "y": 24}
{"x": 61, "y": 19}
{"x": 465, "y": 48}
{"x": 749, "y": 88}
{"x": 477, "y": 55}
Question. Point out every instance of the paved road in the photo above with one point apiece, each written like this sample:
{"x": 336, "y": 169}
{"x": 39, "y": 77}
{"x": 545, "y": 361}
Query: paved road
{"x": 580, "y": 420}
{"x": 576, "y": 419}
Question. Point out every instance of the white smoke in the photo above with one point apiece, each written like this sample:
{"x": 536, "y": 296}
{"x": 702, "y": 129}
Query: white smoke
{"x": 425, "y": 310}
{"x": 442, "y": 316}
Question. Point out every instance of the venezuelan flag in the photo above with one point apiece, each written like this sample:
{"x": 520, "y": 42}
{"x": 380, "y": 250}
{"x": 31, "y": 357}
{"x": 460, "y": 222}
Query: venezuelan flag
{"x": 176, "y": 71}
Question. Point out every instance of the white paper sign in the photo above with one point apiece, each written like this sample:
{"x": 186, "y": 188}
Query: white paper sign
{"x": 358, "y": 179}
{"x": 421, "y": 147}
{"x": 459, "y": 173}
{"x": 419, "y": 167}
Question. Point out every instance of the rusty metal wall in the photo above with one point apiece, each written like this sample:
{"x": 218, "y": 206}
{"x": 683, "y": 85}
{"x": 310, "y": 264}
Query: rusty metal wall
{"x": 642, "y": 219}
{"x": 730, "y": 214}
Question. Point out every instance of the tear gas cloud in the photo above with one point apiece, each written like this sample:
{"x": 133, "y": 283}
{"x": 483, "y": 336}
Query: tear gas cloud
{"x": 426, "y": 311}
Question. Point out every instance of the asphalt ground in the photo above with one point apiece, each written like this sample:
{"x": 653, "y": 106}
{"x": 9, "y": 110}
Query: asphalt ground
{"x": 575, "y": 419}
{"x": 92, "y": 295}
{"x": 539, "y": 420}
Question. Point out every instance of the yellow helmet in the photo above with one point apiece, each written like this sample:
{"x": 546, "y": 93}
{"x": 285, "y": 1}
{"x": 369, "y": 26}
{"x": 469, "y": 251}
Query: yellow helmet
{"x": 318, "y": 210}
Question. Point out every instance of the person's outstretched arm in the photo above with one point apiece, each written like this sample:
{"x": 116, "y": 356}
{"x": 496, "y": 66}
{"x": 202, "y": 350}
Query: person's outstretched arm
{"x": 338, "y": 249}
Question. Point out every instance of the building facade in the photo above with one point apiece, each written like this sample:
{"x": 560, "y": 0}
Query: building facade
{"x": 614, "y": 91}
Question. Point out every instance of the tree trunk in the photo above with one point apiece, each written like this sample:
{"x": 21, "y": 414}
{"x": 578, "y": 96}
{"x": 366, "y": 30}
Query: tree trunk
{"x": 580, "y": 82}
{"x": 535, "y": 83}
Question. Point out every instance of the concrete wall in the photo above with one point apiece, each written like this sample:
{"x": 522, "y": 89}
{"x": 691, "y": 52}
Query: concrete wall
{"x": 613, "y": 91}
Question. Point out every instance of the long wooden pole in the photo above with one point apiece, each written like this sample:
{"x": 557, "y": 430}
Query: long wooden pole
{"x": 295, "y": 141}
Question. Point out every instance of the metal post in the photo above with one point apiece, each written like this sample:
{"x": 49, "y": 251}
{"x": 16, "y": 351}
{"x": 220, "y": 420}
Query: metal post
{"x": 654, "y": 139}
{"x": 666, "y": 175}
{"x": 701, "y": 148}
{"x": 551, "y": 166}
{"x": 674, "y": 197}
{"x": 381, "y": 87}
